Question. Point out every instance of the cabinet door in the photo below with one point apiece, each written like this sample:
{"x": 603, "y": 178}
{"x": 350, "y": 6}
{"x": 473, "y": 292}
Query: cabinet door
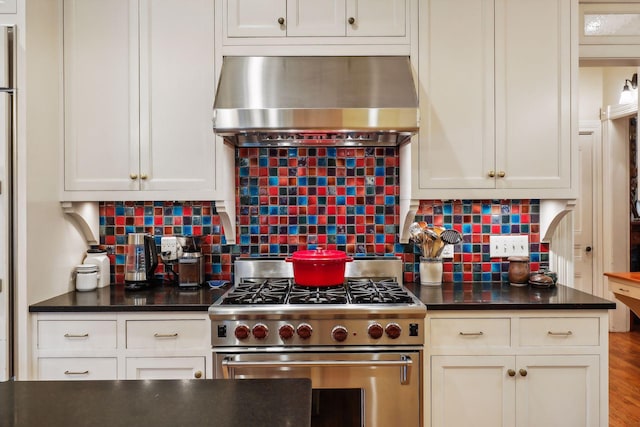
{"x": 385, "y": 18}
{"x": 314, "y": 18}
{"x": 101, "y": 94}
{"x": 534, "y": 56}
{"x": 177, "y": 88}
{"x": 256, "y": 18}
{"x": 165, "y": 368}
{"x": 558, "y": 390}
{"x": 472, "y": 391}
{"x": 457, "y": 137}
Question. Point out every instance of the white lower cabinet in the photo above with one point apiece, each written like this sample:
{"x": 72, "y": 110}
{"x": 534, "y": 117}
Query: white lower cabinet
{"x": 163, "y": 368}
{"x": 519, "y": 368}
{"x": 514, "y": 391}
{"x": 94, "y": 346}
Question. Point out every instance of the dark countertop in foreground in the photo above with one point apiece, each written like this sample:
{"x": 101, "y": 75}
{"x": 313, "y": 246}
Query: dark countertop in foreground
{"x": 156, "y": 403}
{"x": 116, "y": 298}
{"x": 497, "y": 296}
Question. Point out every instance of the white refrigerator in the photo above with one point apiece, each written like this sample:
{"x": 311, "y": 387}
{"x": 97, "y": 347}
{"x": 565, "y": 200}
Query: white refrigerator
{"x": 7, "y": 143}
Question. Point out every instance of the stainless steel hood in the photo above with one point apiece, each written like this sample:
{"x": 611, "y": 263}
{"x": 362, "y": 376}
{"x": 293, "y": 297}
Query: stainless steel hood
{"x": 290, "y": 101}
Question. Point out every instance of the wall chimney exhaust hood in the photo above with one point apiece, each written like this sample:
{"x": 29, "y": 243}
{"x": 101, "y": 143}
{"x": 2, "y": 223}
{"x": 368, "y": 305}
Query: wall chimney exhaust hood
{"x": 316, "y": 101}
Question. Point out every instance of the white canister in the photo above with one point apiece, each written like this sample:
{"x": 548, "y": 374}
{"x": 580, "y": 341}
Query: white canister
{"x": 86, "y": 277}
{"x": 430, "y": 271}
{"x": 99, "y": 258}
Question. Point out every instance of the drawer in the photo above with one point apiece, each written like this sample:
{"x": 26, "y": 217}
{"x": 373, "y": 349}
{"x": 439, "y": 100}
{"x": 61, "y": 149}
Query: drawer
{"x": 559, "y": 331}
{"x": 168, "y": 334}
{"x": 77, "y": 368}
{"x": 77, "y": 334}
{"x": 165, "y": 368}
{"x": 470, "y": 333}
{"x": 623, "y": 289}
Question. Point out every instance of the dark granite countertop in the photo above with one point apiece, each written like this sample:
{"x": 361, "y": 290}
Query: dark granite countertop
{"x": 497, "y": 296}
{"x": 116, "y": 298}
{"x": 448, "y": 296}
{"x": 156, "y": 403}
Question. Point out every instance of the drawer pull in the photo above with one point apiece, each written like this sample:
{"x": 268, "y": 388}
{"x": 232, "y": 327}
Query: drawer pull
{"x": 198, "y": 374}
{"x": 523, "y": 372}
{"x": 560, "y": 334}
{"x": 85, "y": 335}
{"x": 623, "y": 290}
{"x": 471, "y": 334}
{"x": 76, "y": 372}
{"x": 158, "y": 335}
{"x": 511, "y": 373}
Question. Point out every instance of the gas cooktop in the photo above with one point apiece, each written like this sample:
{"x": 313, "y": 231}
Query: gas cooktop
{"x": 285, "y": 291}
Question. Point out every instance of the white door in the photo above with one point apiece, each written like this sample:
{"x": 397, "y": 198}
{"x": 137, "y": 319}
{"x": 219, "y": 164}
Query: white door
{"x": 472, "y": 391}
{"x": 382, "y": 18}
{"x": 558, "y": 391}
{"x": 165, "y": 368}
{"x": 177, "y": 145}
{"x": 316, "y": 18}
{"x": 583, "y": 212}
{"x": 256, "y": 18}
{"x": 101, "y": 94}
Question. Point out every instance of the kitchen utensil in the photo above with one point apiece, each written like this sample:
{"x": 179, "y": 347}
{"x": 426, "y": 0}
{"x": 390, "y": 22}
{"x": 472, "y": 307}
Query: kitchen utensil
{"x": 99, "y": 257}
{"x": 416, "y": 233}
{"x": 438, "y": 244}
{"x": 427, "y": 248}
{"x": 518, "y": 270}
{"x": 141, "y": 261}
{"x": 451, "y": 237}
{"x": 319, "y": 267}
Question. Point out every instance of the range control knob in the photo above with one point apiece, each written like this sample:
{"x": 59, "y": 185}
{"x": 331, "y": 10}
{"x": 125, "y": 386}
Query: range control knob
{"x": 241, "y": 332}
{"x": 393, "y": 330}
{"x": 339, "y": 333}
{"x": 304, "y": 331}
{"x": 375, "y": 330}
{"x": 286, "y": 332}
{"x": 260, "y": 331}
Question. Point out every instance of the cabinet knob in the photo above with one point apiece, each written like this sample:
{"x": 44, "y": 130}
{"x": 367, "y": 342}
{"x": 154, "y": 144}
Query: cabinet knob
{"x": 281, "y": 20}
{"x": 523, "y": 372}
{"x": 588, "y": 249}
{"x": 143, "y": 176}
{"x": 351, "y": 20}
{"x": 133, "y": 175}
{"x": 197, "y": 374}
{"x": 501, "y": 174}
{"x": 511, "y": 373}
{"x": 492, "y": 174}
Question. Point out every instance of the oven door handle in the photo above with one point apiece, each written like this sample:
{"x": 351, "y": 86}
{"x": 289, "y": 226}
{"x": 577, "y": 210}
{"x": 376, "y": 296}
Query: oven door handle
{"x": 229, "y": 365}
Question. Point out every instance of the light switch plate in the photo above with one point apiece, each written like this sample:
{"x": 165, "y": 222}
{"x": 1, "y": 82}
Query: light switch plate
{"x": 169, "y": 248}
{"x": 505, "y": 246}
{"x": 447, "y": 252}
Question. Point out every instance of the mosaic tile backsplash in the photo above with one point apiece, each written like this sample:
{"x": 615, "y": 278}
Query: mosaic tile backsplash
{"x": 342, "y": 198}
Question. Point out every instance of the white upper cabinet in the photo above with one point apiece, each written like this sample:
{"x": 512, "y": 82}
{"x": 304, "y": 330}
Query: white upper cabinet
{"x": 311, "y": 18}
{"x": 139, "y": 87}
{"x": 496, "y": 94}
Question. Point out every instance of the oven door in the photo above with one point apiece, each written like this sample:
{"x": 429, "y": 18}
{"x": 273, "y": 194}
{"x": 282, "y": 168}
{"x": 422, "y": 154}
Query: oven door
{"x": 372, "y": 389}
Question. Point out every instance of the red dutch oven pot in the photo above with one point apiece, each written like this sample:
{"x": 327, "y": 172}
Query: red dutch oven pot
{"x": 319, "y": 267}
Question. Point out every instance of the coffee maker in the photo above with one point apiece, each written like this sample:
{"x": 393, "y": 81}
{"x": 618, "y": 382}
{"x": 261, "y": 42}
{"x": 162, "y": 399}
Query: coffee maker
{"x": 141, "y": 261}
{"x": 191, "y": 264}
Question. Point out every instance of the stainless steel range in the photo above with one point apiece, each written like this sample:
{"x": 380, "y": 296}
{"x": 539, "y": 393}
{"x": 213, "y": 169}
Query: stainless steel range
{"x": 361, "y": 343}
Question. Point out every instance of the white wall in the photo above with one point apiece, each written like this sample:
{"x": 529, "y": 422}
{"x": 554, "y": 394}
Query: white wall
{"x": 590, "y": 93}
{"x": 49, "y": 243}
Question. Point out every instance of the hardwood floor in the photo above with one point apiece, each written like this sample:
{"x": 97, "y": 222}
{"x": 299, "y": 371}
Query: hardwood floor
{"x": 624, "y": 378}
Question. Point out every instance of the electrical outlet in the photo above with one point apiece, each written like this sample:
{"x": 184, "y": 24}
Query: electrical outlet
{"x": 504, "y": 246}
{"x": 447, "y": 252}
{"x": 169, "y": 248}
